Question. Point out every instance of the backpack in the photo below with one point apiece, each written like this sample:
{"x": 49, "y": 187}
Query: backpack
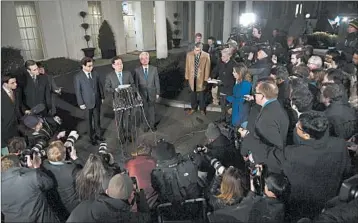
{"x": 177, "y": 180}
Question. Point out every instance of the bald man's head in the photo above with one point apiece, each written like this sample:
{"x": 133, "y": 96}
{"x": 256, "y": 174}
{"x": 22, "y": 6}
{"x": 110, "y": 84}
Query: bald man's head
{"x": 120, "y": 187}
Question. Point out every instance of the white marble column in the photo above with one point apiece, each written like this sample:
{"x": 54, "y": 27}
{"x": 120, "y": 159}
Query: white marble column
{"x": 235, "y": 18}
{"x": 249, "y": 6}
{"x": 110, "y": 11}
{"x": 200, "y": 18}
{"x": 227, "y": 19}
{"x": 161, "y": 30}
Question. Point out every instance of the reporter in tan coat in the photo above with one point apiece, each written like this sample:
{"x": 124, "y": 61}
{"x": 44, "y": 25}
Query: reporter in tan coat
{"x": 197, "y": 76}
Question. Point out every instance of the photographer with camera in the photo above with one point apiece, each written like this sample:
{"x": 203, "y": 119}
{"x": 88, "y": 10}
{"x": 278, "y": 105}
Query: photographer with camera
{"x": 140, "y": 166}
{"x": 174, "y": 178}
{"x": 63, "y": 197}
{"x": 257, "y": 208}
{"x": 24, "y": 190}
{"x": 112, "y": 205}
{"x": 228, "y": 188}
{"x": 262, "y": 67}
{"x": 42, "y": 129}
{"x": 93, "y": 179}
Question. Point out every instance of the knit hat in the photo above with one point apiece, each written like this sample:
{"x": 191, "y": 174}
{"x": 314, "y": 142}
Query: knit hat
{"x": 164, "y": 151}
{"x": 213, "y": 131}
{"x": 354, "y": 23}
{"x": 120, "y": 187}
{"x": 31, "y": 121}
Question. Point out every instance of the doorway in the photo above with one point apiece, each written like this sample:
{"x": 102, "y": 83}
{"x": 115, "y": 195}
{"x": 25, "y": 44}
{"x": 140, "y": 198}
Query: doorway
{"x": 129, "y": 27}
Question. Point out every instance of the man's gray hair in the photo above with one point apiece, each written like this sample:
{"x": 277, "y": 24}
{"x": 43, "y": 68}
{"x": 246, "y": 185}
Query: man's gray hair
{"x": 316, "y": 60}
{"x": 199, "y": 45}
{"x": 142, "y": 54}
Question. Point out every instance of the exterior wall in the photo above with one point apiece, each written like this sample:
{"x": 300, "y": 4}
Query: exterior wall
{"x": 10, "y": 34}
{"x": 112, "y": 12}
{"x": 71, "y": 23}
{"x": 148, "y": 28}
{"x": 50, "y": 20}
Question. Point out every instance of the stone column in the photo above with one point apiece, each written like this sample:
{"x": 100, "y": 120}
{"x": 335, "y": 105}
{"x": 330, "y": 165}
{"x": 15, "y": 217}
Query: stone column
{"x": 161, "y": 30}
{"x": 235, "y": 20}
{"x": 199, "y": 18}
{"x": 110, "y": 11}
{"x": 249, "y": 6}
{"x": 227, "y": 19}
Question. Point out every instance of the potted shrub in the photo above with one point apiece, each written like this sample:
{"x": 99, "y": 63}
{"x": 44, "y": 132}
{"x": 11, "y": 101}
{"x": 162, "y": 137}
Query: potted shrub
{"x": 176, "y": 39}
{"x": 89, "y": 51}
{"x": 106, "y": 41}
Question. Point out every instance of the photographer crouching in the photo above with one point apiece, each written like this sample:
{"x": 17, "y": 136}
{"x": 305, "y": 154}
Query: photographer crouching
{"x": 63, "y": 171}
{"x": 24, "y": 191}
{"x": 264, "y": 203}
{"x": 220, "y": 147}
{"x": 112, "y": 205}
{"x": 228, "y": 188}
{"x": 93, "y": 179}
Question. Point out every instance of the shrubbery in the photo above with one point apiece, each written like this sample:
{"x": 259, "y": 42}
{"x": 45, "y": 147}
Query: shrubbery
{"x": 61, "y": 65}
{"x": 11, "y": 60}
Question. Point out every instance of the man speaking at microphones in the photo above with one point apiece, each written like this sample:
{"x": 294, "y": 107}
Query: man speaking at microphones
{"x": 120, "y": 79}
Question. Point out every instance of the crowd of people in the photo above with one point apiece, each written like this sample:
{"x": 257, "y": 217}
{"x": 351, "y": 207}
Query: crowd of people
{"x": 283, "y": 150}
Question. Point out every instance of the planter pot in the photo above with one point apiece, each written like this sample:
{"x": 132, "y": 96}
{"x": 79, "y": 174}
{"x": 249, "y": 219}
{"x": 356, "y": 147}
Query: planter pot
{"x": 176, "y": 43}
{"x": 89, "y": 52}
{"x": 108, "y": 54}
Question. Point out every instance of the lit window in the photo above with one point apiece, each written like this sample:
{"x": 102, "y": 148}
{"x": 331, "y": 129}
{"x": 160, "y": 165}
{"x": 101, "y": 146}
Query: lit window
{"x": 95, "y": 21}
{"x": 29, "y": 30}
{"x": 298, "y": 9}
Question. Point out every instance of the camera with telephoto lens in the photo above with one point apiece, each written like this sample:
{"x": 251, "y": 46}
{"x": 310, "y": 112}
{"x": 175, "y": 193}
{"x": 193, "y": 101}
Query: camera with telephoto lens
{"x": 70, "y": 142}
{"x": 214, "y": 162}
{"x": 38, "y": 149}
{"x": 103, "y": 152}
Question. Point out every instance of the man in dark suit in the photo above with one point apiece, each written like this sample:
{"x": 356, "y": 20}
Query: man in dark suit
{"x": 11, "y": 109}
{"x": 113, "y": 81}
{"x": 271, "y": 125}
{"x": 36, "y": 89}
{"x": 147, "y": 82}
{"x": 89, "y": 94}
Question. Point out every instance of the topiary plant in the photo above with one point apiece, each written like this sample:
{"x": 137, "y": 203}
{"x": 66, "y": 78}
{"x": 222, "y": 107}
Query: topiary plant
{"x": 106, "y": 37}
{"x": 89, "y": 51}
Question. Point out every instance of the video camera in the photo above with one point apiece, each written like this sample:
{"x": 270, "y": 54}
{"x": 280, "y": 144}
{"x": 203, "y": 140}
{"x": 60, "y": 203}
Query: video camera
{"x": 38, "y": 149}
{"x": 70, "y": 142}
{"x": 214, "y": 162}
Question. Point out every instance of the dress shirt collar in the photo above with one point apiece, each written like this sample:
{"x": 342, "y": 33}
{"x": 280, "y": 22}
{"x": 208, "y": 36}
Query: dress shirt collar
{"x": 8, "y": 91}
{"x": 145, "y": 66}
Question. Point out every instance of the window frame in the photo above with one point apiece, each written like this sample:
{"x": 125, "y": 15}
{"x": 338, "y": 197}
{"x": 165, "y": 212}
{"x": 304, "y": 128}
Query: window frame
{"x": 35, "y": 50}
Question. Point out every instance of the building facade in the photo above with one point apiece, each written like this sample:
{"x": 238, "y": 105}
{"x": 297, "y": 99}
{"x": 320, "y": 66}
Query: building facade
{"x": 51, "y": 28}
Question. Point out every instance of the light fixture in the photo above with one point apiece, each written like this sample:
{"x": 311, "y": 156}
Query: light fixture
{"x": 308, "y": 16}
{"x": 247, "y": 19}
{"x": 345, "y": 19}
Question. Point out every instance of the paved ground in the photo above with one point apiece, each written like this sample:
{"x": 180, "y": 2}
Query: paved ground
{"x": 173, "y": 124}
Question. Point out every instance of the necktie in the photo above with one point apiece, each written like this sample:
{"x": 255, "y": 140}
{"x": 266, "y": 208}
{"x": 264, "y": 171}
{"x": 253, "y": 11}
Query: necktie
{"x": 89, "y": 76}
{"x": 120, "y": 78}
{"x": 196, "y": 68}
{"x": 146, "y": 73}
{"x": 34, "y": 79}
